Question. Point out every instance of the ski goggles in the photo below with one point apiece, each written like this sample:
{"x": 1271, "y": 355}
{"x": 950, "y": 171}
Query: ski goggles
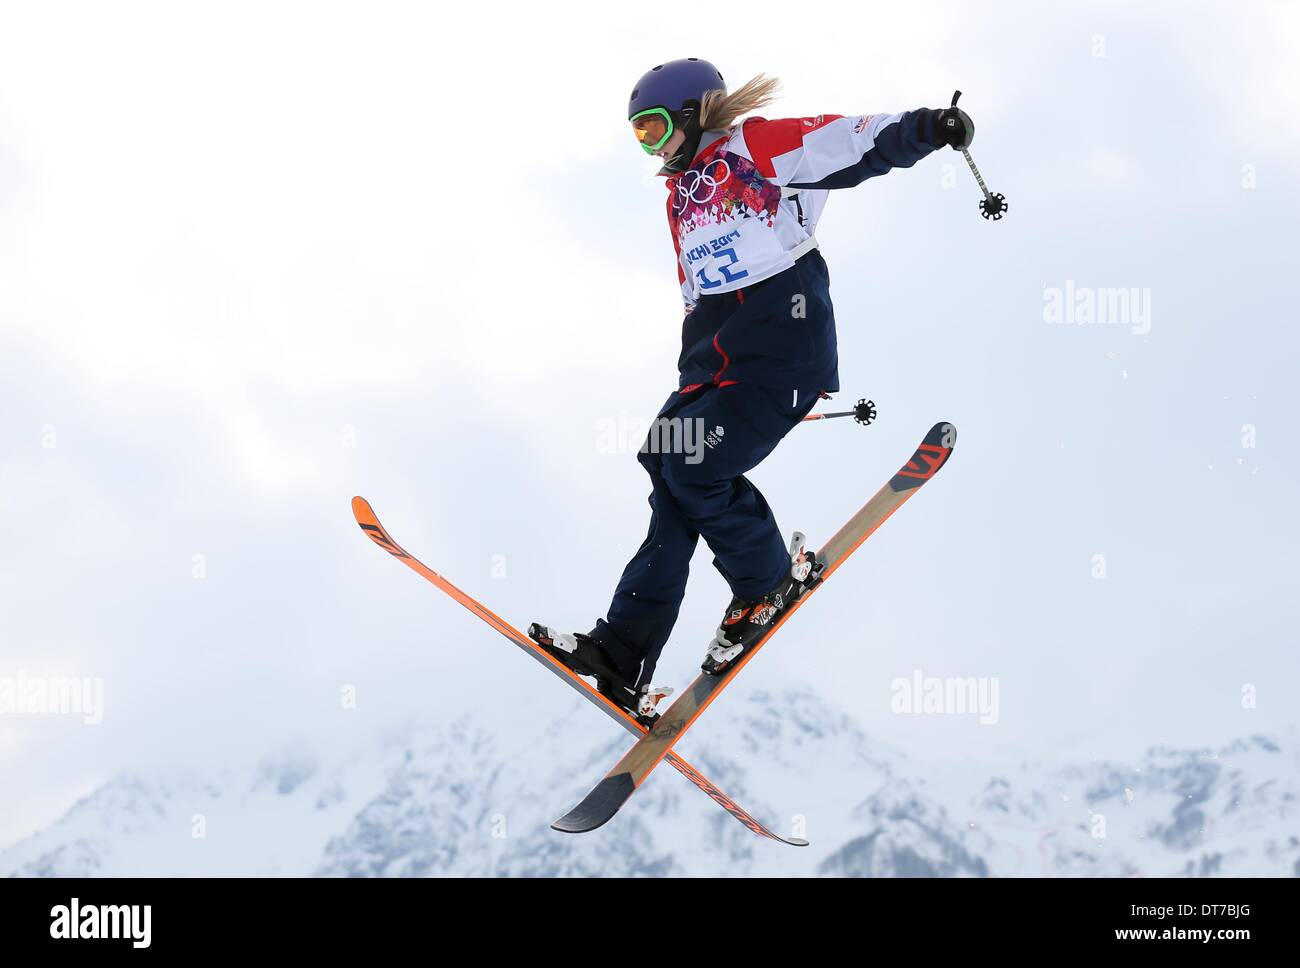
{"x": 653, "y": 127}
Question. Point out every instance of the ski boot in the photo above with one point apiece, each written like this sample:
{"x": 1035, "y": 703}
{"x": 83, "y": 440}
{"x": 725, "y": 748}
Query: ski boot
{"x": 746, "y": 622}
{"x": 584, "y": 656}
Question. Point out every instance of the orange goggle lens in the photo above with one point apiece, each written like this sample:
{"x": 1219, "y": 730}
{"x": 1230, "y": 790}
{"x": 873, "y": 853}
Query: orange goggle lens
{"x": 652, "y": 129}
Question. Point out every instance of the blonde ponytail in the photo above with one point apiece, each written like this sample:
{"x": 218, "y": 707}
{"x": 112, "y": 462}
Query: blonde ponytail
{"x": 721, "y": 110}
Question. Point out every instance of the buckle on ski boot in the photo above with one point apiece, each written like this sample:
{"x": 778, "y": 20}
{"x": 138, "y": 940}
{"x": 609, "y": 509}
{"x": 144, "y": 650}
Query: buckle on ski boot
{"x": 805, "y": 568}
{"x": 647, "y": 699}
{"x": 549, "y": 638}
{"x": 640, "y": 703}
{"x": 801, "y": 559}
{"x": 721, "y": 653}
{"x": 565, "y": 646}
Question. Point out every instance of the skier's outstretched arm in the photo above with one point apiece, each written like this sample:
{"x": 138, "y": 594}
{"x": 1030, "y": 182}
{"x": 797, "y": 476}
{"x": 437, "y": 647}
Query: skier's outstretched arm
{"x": 833, "y": 151}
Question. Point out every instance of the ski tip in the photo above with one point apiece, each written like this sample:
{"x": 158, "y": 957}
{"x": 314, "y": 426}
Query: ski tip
{"x": 598, "y": 806}
{"x": 931, "y": 455}
{"x": 360, "y": 506}
{"x": 943, "y": 430}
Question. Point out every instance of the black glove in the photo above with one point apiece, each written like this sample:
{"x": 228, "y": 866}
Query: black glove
{"x": 952, "y": 126}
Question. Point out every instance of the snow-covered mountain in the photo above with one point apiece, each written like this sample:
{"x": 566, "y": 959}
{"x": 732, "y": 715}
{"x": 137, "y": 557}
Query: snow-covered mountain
{"x": 463, "y": 799}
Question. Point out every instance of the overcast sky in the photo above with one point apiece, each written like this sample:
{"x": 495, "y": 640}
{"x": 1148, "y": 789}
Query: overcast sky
{"x": 257, "y": 258}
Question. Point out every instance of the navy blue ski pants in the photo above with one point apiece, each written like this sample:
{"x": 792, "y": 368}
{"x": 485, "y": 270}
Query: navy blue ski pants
{"x": 697, "y": 454}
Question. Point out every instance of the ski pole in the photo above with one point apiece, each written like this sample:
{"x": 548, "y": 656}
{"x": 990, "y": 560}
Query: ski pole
{"x": 991, "y": 206}
{"x": 863, "y": 412}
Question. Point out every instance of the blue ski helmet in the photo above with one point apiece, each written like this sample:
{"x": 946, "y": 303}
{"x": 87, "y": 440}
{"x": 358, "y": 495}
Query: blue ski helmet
{"x": 677, "y": 87}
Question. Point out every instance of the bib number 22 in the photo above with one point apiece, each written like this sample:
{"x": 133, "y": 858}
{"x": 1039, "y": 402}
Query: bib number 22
{"x": 725, "y": 269}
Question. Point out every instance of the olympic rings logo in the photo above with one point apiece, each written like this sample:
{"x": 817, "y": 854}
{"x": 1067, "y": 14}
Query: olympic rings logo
{"x": 703, "y": 180}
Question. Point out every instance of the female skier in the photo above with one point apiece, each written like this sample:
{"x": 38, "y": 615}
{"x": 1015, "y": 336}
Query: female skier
{"x": 758, "y": 350}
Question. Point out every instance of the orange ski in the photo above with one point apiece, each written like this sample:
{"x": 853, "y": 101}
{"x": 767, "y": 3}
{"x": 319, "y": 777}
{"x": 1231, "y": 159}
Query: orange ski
{"x": 631, "y": 771}
{"x": 365, "y": 516}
